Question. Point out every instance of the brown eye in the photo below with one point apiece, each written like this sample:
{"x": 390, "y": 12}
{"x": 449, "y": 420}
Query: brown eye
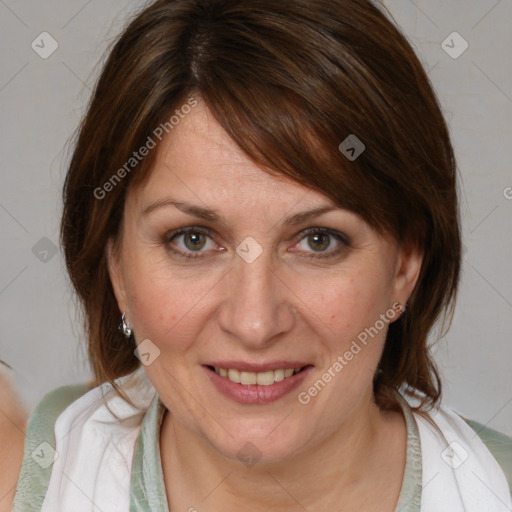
{"x": 319, "y": 241}
{"x": 194, "y": 241}
{"x": 190, "y": 243}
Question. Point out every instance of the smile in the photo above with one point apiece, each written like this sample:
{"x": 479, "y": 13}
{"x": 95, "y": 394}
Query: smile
{"x": 266, "y": 378}
{"x": 250, "y": 387}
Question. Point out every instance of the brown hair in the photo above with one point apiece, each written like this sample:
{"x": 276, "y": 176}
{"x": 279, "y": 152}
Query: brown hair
{"x": 288, "y": 81}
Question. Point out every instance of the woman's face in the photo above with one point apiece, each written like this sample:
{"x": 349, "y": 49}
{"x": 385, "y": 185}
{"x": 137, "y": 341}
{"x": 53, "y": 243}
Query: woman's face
{"x": 220, "y": 264}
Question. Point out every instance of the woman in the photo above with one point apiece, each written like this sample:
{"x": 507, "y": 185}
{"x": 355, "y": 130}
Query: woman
{"x": 263, "y": 198}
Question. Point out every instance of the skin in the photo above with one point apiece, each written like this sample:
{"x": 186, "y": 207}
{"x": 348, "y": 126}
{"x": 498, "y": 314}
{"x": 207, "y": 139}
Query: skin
{"x": 13, "y": 421}
{"x": 292, "y": 302}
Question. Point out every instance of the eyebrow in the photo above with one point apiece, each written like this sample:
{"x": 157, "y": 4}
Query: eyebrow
{"x": 213, "y": 216}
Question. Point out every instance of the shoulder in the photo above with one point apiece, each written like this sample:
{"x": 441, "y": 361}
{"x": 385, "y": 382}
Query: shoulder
{"x": 498, "y": 443}
{"x": 463, "y": 462}
{"x": 480, "y": 452}
{"x": 39, "y": 444}
{"x": 77, "y": 425}
{"x": 12, "y": 435}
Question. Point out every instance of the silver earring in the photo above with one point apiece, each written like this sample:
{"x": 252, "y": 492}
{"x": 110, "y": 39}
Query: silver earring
{"x": 124, "y": 328}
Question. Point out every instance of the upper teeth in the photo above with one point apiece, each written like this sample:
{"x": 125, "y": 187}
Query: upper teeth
{"x": 261, "y": 378}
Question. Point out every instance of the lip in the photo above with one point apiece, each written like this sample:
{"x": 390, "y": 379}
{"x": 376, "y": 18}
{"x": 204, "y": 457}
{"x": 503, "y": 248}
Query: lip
{"x": 254, "y": 393}
{"x": 243, "y": 366}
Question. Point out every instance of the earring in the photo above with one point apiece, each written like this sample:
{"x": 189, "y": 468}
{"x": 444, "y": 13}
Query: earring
{"x": 124, "y": 328}
{"x": 404, "y": 310}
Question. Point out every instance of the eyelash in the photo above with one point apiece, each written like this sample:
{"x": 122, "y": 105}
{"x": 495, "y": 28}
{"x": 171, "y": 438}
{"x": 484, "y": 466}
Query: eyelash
{"x": 340, "y": 237}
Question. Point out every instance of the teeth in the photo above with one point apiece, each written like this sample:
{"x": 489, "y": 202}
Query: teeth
{"x": 278, "y": 375}
{"x": 234, "y": 376}
{"x": 261, "y": 378}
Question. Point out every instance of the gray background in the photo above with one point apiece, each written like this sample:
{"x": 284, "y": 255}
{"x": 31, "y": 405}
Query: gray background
{"x": 42, "y": 100}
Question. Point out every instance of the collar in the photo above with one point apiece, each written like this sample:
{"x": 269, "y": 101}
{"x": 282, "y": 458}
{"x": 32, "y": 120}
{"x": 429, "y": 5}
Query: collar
{"x": 147, "y": 489}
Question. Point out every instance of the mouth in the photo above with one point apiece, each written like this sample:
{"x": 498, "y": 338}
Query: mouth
{"x": 256, "y": 387}
{"x": 261, "y": 378}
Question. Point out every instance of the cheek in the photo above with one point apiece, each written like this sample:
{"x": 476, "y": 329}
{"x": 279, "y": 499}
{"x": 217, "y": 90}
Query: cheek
{"x": 347, "y": 303}
{"x": 165, "y": 304}
{"x": 347, "y": 313}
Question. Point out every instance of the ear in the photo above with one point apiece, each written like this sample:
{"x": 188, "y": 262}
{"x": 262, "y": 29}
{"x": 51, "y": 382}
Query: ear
{"x": 407, "y": 271}
{"x": 116, "y": 274}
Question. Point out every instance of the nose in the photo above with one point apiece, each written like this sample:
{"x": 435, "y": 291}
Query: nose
{"x": 258, "y": 304}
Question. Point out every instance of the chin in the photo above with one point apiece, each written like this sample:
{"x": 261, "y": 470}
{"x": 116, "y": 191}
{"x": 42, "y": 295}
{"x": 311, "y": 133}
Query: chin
{"x": 256, "y": 446}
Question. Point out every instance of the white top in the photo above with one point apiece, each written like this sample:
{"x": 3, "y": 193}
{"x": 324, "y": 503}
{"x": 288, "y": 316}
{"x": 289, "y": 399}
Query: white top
{"x": 95, "y": 439}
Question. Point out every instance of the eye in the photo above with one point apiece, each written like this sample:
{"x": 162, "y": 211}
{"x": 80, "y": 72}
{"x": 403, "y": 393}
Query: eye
{"x": 194, "y": 241}
{"x": 323, "y": 241}
{"x": 187, "y": 241}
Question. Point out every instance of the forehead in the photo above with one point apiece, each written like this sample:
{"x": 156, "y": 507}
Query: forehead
{"x": 198, "y": 161}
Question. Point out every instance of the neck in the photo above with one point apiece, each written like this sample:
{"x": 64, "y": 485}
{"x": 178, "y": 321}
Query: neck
{"x": 343, "y": 466}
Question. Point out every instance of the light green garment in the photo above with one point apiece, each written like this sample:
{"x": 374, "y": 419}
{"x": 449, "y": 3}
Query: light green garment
{"x": 33, "y": 480}
{"x": 147, "y": 489}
